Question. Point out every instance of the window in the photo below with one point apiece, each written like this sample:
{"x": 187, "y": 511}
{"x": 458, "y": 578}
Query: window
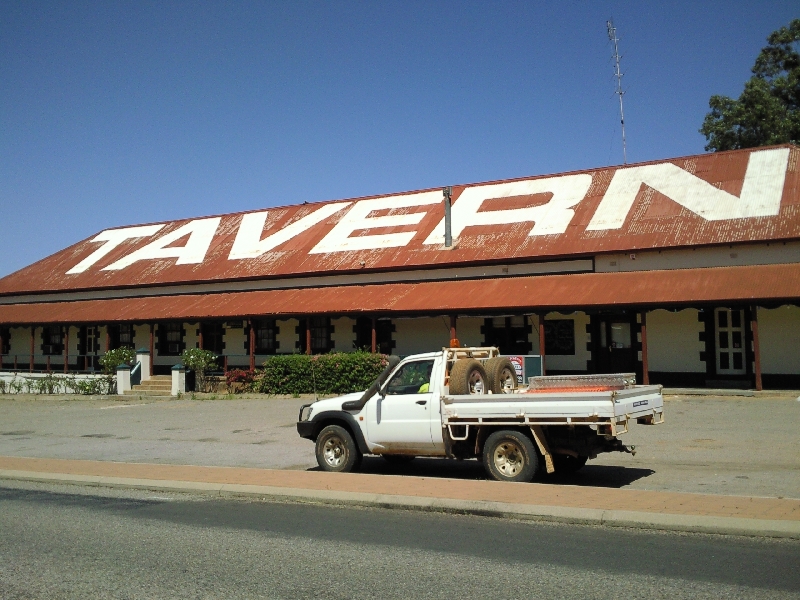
{"x": 266, "y": 331}
{"x": 383, "y": 335}
{"x": 121, "y": 336}
{"x": 320, "y": 330}
{"x": 5, "y": 333}
{"x": 412, "y": 378}
{"x": 559, "y": 337}
{"x": 52, "y": 340}
{"x": 510, "y": 334}
{"x": 170, "y": 339}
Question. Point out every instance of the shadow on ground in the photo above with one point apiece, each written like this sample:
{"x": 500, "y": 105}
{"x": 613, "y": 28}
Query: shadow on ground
{"x": 591, "y": 475}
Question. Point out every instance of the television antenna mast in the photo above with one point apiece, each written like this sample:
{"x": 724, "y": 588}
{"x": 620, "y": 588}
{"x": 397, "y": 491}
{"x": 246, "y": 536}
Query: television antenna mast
{"x": 612, "y": 35}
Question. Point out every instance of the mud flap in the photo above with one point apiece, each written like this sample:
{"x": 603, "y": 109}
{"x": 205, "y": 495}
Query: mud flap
{"x": 541, "y": 442}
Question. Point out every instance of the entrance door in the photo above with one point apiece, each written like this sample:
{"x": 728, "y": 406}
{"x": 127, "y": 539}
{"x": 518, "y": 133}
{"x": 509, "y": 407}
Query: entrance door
{"x": 616, "y": 352}
{"x": 213, "y": 333}
{"x": 402, "y": 418}
{"x": 730, "y": 341}
{"x": 91, "y": 346}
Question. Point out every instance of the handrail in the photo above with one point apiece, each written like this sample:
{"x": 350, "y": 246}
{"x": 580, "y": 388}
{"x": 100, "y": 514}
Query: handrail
{"x": 136, "y": 374}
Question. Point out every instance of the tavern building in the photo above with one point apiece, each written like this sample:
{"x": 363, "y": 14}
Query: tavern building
{"x": 685, "y": 271}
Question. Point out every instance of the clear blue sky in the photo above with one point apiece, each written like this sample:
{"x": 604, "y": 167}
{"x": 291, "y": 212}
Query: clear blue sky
{"x": 118, "y": 113}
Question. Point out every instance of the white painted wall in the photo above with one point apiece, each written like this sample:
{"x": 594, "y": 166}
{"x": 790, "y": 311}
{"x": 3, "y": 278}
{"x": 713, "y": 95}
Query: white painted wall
{"x": 287, "y": 336}
{"x": 673, "y": 341}
{"x": 192, "y": 337}
{"x": 236, "y": 346}
{"x": 21, "y": 342}
{"x": 343, "y": 335}
{"x": 468, "y": 331}
{"x": 779, "y": 337}
{"x": 427, "y": 334}
{"x": 141, "y": 337}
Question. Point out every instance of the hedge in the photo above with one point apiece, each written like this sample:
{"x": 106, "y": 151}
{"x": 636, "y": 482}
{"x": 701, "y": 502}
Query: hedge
{"x": 336, "y": 373}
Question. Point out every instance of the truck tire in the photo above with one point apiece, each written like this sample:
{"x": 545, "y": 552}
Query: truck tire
{"x": 336, "y": 450}
{"x": 468, "y": 377}
{"x": 502, "y": 375}
{"x": 509, "y": 455}
{"x": 567, "y": 465}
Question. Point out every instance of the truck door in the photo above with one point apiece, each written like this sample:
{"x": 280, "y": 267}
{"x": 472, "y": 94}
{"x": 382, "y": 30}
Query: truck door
{"x": 401, "y": 420}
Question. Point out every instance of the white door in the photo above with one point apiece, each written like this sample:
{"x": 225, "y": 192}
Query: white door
{"x": 401, "y": 420}
{"x": 730, "y": 341}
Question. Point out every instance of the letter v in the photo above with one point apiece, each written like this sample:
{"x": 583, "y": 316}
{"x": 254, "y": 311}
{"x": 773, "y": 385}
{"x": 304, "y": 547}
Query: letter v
{"x": 248, "y": 242}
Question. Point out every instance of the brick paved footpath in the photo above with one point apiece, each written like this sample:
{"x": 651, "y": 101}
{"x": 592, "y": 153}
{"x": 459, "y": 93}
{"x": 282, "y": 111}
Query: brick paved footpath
{"x": 541, "y": 494}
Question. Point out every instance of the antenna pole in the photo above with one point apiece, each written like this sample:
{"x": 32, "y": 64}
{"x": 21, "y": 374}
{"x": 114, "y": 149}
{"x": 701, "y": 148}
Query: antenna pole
{"x": 612, "y": 35}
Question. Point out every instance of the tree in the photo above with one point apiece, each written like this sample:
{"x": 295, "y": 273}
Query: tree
{"x": 768, "y": 111}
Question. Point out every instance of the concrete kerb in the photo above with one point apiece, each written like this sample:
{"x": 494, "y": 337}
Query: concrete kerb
{"x": 542, "y": 513}
{"x": 731, "y": 393}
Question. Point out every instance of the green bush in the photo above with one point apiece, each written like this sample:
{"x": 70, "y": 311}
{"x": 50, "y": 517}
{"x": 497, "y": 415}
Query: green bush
{"x": 336, "y": 373}
{"x": 116, "y": 357}
{"x": 201, "y": 361}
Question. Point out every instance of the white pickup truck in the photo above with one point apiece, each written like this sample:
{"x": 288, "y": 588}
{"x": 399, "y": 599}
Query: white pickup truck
{"x": 464, "y": 403}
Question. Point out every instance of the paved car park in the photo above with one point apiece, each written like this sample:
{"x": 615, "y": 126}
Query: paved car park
{"x": 717, "y": 445}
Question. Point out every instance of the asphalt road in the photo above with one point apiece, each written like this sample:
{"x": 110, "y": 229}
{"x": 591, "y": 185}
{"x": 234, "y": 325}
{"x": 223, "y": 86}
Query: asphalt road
{"x": 69, "y": 542}
{"x": 741, "y": 446}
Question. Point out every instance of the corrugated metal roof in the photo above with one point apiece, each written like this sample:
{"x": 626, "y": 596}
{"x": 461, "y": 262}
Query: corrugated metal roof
{"x": 727, "y": 197}
{"x": 750, "y": 284}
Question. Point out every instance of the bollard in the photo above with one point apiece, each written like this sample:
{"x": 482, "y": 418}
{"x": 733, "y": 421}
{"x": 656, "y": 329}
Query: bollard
{"x": 123, "y": 379}
{"x": 178, "y": 379}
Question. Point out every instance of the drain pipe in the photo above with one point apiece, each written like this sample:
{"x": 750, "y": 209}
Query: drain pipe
{"x": 448, "y": 237}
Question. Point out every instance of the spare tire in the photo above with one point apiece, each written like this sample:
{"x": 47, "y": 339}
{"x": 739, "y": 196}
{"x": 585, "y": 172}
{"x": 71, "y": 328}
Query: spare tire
{"x": 502, "y": 375}
{"x": 468, "y": 377}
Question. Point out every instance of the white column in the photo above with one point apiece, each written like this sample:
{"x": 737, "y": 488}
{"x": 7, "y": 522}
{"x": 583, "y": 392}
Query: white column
{"x": 123, "y": 379}
{"x": 143, "y": 356}
{"x": 178, "y": 380}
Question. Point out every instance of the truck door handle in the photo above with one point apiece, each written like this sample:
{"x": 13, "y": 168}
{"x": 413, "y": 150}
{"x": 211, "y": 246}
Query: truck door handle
{"x": 422, "y": 402}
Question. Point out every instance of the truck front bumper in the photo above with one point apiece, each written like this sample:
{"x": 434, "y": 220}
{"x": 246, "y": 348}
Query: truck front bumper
{"x": 306, "y": 429}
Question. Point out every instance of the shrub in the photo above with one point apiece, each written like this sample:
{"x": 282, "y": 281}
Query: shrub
{"x": 336, "y": 373}
{"x": 114, "y": 358}
{"x": 239, "y": 380}
{"x": 200, "y": 361}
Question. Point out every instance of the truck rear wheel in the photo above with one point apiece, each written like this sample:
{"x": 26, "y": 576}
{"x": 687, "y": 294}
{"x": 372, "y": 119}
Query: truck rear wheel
{"x": 502, "y": 375}
{"x": 336, "y": 450}
{"x": 509, "y": 455}
{"x": 468, "y": 377}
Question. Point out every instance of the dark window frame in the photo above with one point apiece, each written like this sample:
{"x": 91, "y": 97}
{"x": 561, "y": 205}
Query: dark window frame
{"x": 170, "y": 333}
{"x": 266, "y": 334}
{"x": 52, "y": 340}
{"x": 556, "y": 340}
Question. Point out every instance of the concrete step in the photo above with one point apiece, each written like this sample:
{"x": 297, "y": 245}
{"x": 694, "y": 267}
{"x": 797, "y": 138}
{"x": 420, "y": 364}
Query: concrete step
{"x": 149, "y": 393}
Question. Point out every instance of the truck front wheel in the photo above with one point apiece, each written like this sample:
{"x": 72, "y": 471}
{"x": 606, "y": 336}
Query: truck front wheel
{"x": 336, "y": 450}
{"x": 509, "y": 455}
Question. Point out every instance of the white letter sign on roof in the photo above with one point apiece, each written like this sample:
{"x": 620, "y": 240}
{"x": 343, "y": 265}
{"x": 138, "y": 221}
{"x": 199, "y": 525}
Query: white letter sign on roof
{"x": 357, "y": 218}
{"x": 552, "y": 217}
{"x": 248, "y": 242}
{"x": 761, "y": 191}
{"x": 112, "y": 239}
{"x": 200, "y": 232}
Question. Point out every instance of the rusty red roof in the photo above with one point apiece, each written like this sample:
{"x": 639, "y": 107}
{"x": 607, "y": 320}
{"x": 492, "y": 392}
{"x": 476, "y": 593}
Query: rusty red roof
{"x": 766, "y": 284}
{"x": 722, "y": 198}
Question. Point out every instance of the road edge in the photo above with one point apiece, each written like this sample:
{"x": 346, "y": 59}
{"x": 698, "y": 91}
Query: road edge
{"x": 558, "y": 514}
